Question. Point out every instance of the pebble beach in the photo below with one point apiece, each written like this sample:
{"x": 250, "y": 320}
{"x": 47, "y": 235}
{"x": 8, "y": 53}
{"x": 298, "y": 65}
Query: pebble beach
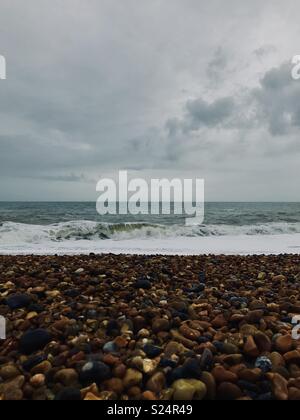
{"x": 168, "y": 328}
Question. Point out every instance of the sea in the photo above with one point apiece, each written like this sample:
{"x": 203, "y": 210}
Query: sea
{"x": 72, "y": 228}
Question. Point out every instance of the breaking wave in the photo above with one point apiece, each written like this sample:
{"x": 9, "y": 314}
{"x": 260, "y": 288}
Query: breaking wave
{"x": 18, "y": 233}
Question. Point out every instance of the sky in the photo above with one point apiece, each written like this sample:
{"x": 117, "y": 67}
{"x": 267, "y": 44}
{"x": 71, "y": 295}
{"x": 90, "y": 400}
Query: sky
{"x": 160, "y": 86}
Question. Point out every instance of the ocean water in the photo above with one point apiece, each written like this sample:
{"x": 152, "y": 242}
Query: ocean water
{"x": 72, "y": 228}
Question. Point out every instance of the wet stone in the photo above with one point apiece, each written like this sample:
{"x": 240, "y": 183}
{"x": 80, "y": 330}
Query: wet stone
{"x": 95, "y": 372}
{"x": 18, "y": 301}
{"x": 34, "y": 340}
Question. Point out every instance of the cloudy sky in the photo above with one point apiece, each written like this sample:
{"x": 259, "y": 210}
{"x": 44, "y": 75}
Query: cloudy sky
{"x": 97, "y": 86}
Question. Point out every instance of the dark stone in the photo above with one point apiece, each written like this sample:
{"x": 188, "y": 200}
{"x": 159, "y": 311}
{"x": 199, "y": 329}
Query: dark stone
{"x": 248, "y": 386}
{"x": 152, "y": 351}
{"x": 95, "y": 372}
{"x": 72, "y": 293}
{"x": 202, "y": 277}
{"x": 165, "y": 363}
{"x": 190, "y": 370}
{"x": 68, "y": 394}
{"x": 110, "y": 347}
{"x": 207, "y": 360}
{"x": 266, "y": 397}
{"x": 18, "y": 301}
{"x": 113, "y": 328}
{"x": 264, "y": 364}
{"x": 181, "y": 315}
{"x": 202, "y": 340}
{"x": 36, "y": 307}
{"x": 34, "y": 340}
{"x": 32, "y": 362}
{"x": 143, "y": 284}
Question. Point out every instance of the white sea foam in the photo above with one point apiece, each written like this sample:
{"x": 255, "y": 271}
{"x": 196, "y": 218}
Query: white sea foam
{"x": 85, "y": 237}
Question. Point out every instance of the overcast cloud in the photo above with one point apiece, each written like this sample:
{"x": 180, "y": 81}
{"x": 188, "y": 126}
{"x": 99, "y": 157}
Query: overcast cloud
{"x": 101, "y": 85}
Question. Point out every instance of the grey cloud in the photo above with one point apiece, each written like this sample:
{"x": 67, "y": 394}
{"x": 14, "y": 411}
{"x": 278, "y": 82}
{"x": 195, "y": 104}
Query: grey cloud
{"x": 105, "y": 84}
{"x": 278, "y": 100}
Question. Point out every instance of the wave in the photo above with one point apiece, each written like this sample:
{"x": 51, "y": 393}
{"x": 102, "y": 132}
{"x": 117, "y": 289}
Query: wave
{"x": 17, "y": 233}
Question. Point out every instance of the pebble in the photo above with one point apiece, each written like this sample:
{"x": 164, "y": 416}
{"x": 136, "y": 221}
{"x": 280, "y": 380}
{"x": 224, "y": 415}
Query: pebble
{"x": 264, "y": 364}
{"x": 9, "y": 372}
{"x": 160, "y": 325}
{"x": 143, "y": 284}
{"x": 284, "y": 344}
{"x": 156, "y": 383}
{"x": 69, "y": 394}
{"x": 188, "y": 390}
{"x": 18, "y": 301}
{"x": 152, "y": 328}
{"x": 37, "y": 381}
{"x": 34, "y": 340}
{"x": 229, "y": 392}
{"x": 110, "y": 347}
{"x": 222, "y": 375}
{"x": 279, "y": 386}
{"x": 95, "y": 372}
{"x": 132, "y": 378}
{"x": 152, "y": 351}
{"x": 68, "y": 377}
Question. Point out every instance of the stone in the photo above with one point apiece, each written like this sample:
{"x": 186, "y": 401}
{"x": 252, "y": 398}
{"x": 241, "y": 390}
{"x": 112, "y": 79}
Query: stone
{"x": 143, "y": 284}
{"x": 149, "y": 396}
{"x": 250, "y": 375}
{"x": 219, "y": 322}
{"x": 284, "y": 344}
{"x": 188, "y": 390}
{"x": 262, "y": 276}
{"x": 292, "y": 357}
{"x": 294, "y": 394}
{"x": 208, "y": 379}
{"x": 228, "y": 391}
{"x": 95, "y": 372}
{"x": 43, "y": 368}
{"x": 156, "y": 383}
{"x": 37, "y": 381}
{"x": 68, "y": 377}
{"x": 132, "y": 378}
{"x": 279, "y": 278}
{"x": 279, "y": 386}
{"x": 222, "y": 375}
{"x": 152, "y": 351}
{"x": 263, "y": 342}
{"x": 34, "y": 340}
{"x": 206, "y": 361}
{"x": 264, "y": 364}
{"x": 18, "y": 301}
{"x": 189, "y": 333}
{"x": 160, "y": 324}
{"x": 9, "y": 372}
{"x": 12, "y": 389}
{"x": 69, "y": 394}
{"x": 115, "y": 385}
{"x": 250, "y": 348}
{"x": 110, "y": 347}
{"x": 254, "y": 317}
{"x": 149, "y": 366}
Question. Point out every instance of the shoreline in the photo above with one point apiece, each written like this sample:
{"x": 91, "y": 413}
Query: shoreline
{"x": 107, "y": 327}
{"x": 186, "y": 246}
